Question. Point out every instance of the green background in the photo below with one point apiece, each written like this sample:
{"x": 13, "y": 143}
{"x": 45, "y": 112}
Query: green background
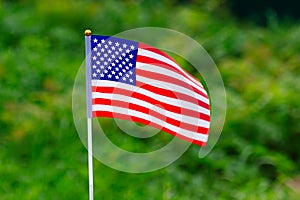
{"x": 41, "y": 155}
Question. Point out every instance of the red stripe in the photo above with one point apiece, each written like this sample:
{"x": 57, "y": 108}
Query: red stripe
{"x": 151, "y": 112}
{"x": 143, "y": 121}
{"x": 172, "y": 94}
{"x": 152, "y": 61}
{"x": 155, "y": 50}
{"x": 162, "y": 77}
{"x": 172, "y": 108}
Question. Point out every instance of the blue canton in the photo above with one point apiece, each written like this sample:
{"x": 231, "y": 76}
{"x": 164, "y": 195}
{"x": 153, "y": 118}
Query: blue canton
{"x": 113, "y": 59}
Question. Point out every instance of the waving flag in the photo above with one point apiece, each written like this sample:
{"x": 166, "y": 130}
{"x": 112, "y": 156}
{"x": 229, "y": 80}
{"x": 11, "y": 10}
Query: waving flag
{"x": 134, "y": 81}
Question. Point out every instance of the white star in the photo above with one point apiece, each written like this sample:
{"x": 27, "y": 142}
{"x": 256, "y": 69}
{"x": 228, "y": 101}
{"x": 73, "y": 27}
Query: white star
{"x": 109, "y": 42}
{"x": 117, "y": 44}
{"x": 102, "y": 50}
{"x": 113, "y": 64}
{"x": 101, "y": 58}
{"x": 130, "y": 80}
{"x": 109, "y": 67}
{"x": 95, "y": 40}
{"x": 109, "y": 75}
{"x": 98, "y": 54}
{"x": 124, "y": 45}
{"x": 98, "y": 70}
{"x": 113, "y": 72}
{"x": 120, "y": 58}
{"x": 130, "y": 72}
{"x": 105, "y": 63}
{"x": 130, "y": 56}
{"x": 102, "y": 75}
{"x": 94, "y": 66}
{"x": 123, "y": 54}
{"x": 105, "y": 71}
{"x": 120, "y": 73}
{"x": 113, "y": 48}
{"x": 123, "y": 62}
{"x": 124, "y": 79}
{"x": 127, "y": 75}
{"x": 127, "y": 59}
{"x": 94, "y": 74}
{"x": 124, "y": 70}
{"x": 127, "y": 50}
{"x": 117, "y": 53}
{"x": 132, "y": 47}
{"x": 103, "y": 41}
{"x": 99, "y": 45}
{"x": 109, "y": 59}
{"x": 120, "y": 65}
{"x": 120, "y": 49}
{"x": 95, "y": 49}
{"x": 109, "y": 51}
{"x": 101, "y": 67}
{"x": 117, "y": 77}
{"x": 130, "y": 65}
{"x": 117, "y": 69}
{"x": 98, "y": 62}
{"x": 106, "y": 46}
{"x": 127, "y": 67}
{"x": 94, "y": 57}
{"x": 116, "y": 60}
{"x": 105, "y": 55}
{"x": 113, "y": 56}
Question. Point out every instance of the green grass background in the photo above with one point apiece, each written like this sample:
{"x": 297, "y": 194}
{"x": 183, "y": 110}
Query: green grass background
{"x": 41, "y": 155}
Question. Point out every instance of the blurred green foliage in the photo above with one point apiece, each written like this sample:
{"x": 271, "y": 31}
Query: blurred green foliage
{"x": 258, "y": 11}
{"x": 41, "y": 155}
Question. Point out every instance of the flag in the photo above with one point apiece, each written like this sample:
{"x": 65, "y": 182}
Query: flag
{"x": 137, "y": 82}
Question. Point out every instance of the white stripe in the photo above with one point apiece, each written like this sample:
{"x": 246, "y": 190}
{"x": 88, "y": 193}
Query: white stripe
{"x": 179, "y": 117}
{"x": 167, "y": 72}
{"x": 164, "y": 99}
{"x": 171, "y": 87}
{"x": 156, "y": 56}
{"x": 181, "y": 131}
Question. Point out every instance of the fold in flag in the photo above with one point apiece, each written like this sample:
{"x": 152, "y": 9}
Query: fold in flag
{"x": 137, "y": 82}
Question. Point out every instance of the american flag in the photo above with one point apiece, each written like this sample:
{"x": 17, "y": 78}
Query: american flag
{"x": 134, "y": 81}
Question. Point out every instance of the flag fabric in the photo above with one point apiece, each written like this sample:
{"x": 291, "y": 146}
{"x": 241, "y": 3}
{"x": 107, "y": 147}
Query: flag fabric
{"x": 137, "y": 82}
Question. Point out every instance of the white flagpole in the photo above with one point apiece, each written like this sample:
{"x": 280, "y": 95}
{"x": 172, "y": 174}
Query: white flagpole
{"x": 90, "y": 159}
{"x": 88, "y": 34}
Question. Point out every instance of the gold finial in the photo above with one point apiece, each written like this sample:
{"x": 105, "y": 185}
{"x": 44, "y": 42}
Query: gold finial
{"x": 87, "y": 32}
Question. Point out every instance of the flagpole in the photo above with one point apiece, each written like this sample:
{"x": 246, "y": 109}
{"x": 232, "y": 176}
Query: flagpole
{"x": 88, "y": 34}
